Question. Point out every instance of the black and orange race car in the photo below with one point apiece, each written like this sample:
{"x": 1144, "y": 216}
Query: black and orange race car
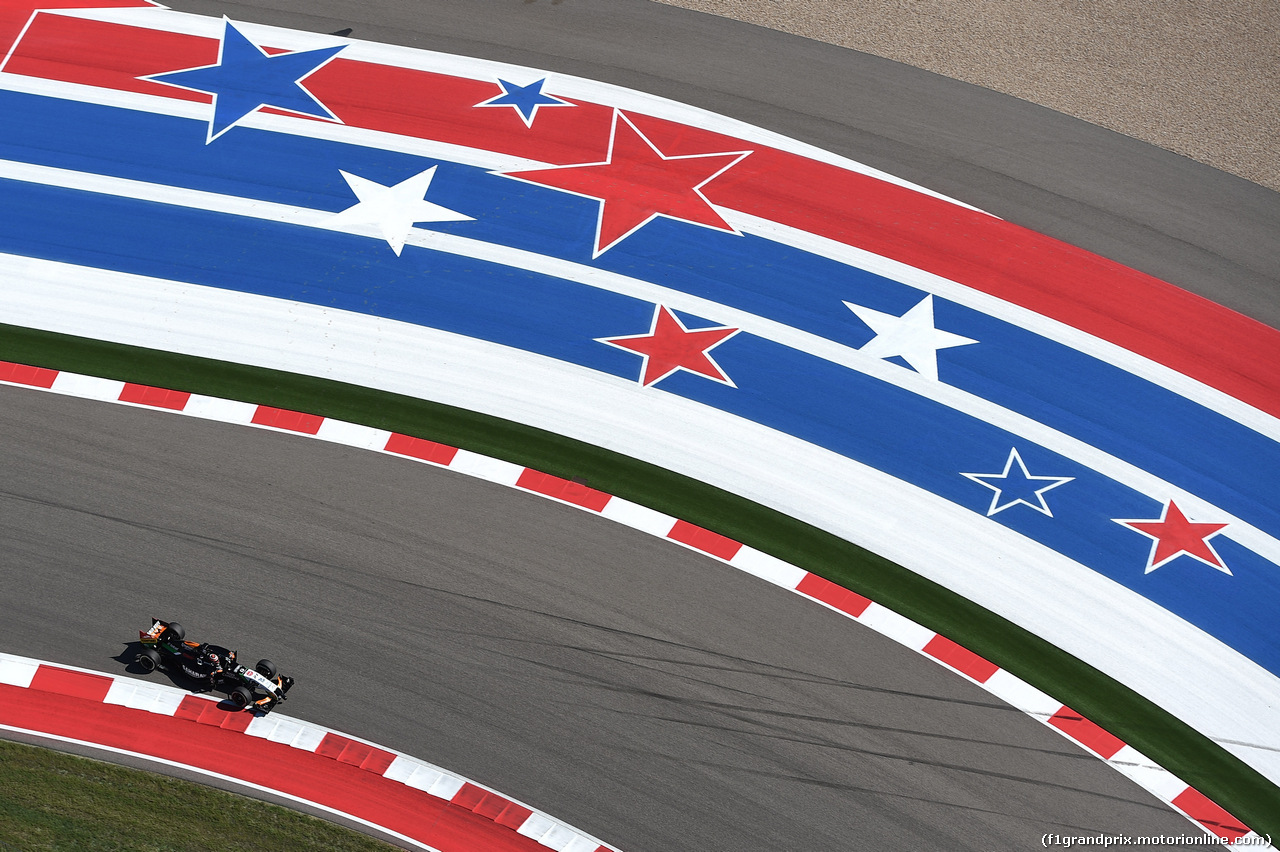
{"x": 165, "y": 646}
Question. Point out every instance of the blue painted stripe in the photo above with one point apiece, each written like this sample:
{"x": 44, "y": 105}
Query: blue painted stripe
{"x": 1115, "y": 411}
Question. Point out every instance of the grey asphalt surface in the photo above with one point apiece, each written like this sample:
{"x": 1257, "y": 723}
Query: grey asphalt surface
{"x": 643, "y": 693}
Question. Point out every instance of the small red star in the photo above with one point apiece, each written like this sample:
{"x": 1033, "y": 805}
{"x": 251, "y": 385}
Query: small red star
{"x": 669, "y": 346}
{"x": 637, "y": 182}
{"x": 1174, "y": 535}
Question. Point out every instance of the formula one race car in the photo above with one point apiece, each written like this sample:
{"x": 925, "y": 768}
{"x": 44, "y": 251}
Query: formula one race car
{"x": 164, "y": 646}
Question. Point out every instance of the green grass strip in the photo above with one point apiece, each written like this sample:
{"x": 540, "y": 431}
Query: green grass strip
{"x": 1153, "y": 731}
{"x": 50, "y": 801}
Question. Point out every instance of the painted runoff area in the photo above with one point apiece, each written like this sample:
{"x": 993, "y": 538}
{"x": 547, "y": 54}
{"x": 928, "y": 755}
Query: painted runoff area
{"x": 1079, "y": 383}
{"x": 96, "y": 717}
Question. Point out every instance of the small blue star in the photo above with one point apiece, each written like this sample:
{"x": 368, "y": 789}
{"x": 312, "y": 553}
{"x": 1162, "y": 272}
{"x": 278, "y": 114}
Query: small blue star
{"x": 1017, "y": 486}
{"x": 524, "y": 99}
{"x": 246, "y": 78}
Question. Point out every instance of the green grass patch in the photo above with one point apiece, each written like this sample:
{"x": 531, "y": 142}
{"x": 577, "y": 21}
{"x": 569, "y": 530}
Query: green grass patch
{"x": 54, "y": 801}
{"x": 1156, "y": 733}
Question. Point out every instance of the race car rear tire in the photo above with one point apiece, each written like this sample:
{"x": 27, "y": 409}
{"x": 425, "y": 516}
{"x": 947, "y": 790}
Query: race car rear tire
{"x": 241, "y": 697}
{"x": 148, "y": 659}
{"x": 267, "y": 669}
{"x": 173, "y": 633}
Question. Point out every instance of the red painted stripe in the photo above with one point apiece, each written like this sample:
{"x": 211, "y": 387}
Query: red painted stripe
{"x": 436, "y": 106}
{"x": 158, "y": 397}
{"x": 563, "y": 489}
{"x": 1086, "y": 732}
{"x": 468, "y": 796}
{"x": 822, "y": 589}
{"x": 218, "y": 714}
{"x": 90, "y": 687}
{"x": 309, "y": 776}
{"x": 14, "y": 14}
{"x": 1163, "y": 323}
{"x": 110, "y": 56}
{"x": 191, "y": 708}
{"x": 419, "y": 448}
{"x": 961, "y": 659}
{"x": 1198, "y": 806}
{"x": 491, "y": 806}
{"x": 283, "y": 418}
{"x": 355, "y": 753}
{"x": 23, "y": 375}
{"x": 704, "y": 540}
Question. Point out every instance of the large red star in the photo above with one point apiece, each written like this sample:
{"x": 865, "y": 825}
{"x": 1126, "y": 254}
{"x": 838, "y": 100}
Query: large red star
{"x": 637, "y": 182}
{"x": 669, "y": 346}
{"x": 1174, "y": 535}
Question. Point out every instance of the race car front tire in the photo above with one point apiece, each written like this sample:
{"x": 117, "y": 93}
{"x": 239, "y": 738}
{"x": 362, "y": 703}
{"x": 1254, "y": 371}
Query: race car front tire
{"x": 241, "y": 697}
{"x": 267, "y": 669}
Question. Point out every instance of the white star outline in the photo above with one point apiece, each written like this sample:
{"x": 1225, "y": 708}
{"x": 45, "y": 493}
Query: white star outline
{"x": 723, "y": 378}
{"x": 1014, "y": 456}
{"x": 608, "y": 160}
{"x": 912, "y": 336}
{"x": 393, "y": 210}
{"x": 222, "y": 40}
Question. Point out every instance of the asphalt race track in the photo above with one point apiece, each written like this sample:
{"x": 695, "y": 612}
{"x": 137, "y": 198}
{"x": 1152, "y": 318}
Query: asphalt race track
{"x": 639, "y": 691}
{"x": 647, "y": 695}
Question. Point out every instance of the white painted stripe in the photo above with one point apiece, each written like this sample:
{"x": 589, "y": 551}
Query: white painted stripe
{"x": 224, "y": 410}
{"x": 897, "y": 627}
{"x": 290, "y": 732}
{"x": 17, "y": 672}
{"x": 446, "y": 786}
{"x": 353, "y": 434}
{"x": 485, "y": 467}
{"x": 87, "y": 387}
{"x": 562, "y": 85}
{"x": 1018, "y": 693}
{"x": 423, "y": 776}
{"x": 1189, "y": 673}
{"x": 768, "y": 568}
{"x": 639, "y": 517}
{"x": 1156, "y": 780}
{"x": 401, "y": 769}
{"x": 950, "y": 396}
{"x": 140, "y": 695}
{"x": 309, "y": 738}
{"x": 578, "y": 843}
{"x": 536, "y": 826}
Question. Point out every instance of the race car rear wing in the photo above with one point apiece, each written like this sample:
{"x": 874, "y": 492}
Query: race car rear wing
{"x": 152, "y": 636}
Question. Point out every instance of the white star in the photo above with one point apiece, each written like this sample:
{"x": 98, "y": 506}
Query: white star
{"x": 393, "y": 209}
{"x": 911, "y": 336}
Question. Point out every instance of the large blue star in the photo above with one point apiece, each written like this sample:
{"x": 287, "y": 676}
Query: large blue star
{"x": 246, "y": 78}
{"x": 524, "y": 99}
{"x": 1017, "y": 485}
